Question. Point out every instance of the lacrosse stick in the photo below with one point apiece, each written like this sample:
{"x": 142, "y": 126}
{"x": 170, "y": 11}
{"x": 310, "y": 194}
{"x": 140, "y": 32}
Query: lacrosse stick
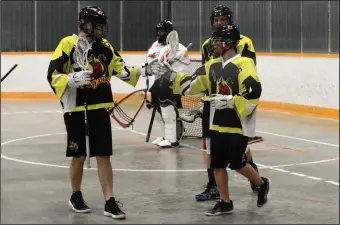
{"x": 172, "y": 43}
{"x": 10, "y": 71}
{"x": 121, "y": 112}
{"x": 81, "y": 50}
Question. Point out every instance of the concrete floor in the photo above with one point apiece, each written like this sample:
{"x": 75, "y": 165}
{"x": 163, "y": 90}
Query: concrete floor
{"x": 299, "y": 154}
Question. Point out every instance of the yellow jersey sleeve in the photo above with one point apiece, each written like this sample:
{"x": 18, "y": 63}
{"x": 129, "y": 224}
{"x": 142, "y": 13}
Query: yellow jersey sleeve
{"x": 59, "y": 66}
{"x": 250, "y": 89}
{"x": 206, "y": 51}
{"x": 186, "y": 84}
{"x": 119, "y": 69}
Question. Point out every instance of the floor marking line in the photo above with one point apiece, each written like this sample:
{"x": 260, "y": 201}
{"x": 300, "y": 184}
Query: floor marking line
{"x": 299, "y": 139}
{"x": 281, "y": 170}
{"x": 299, "y": 174}
{"x": 260, "y": 131}
{"x": 264, "y": 166}
{"x": 332, "y": 182}
{"x": 60, "y": 166}
{"x": 305, "y": 163}
{"x": 187, "y": 145}
{"x": 314, "y": 178}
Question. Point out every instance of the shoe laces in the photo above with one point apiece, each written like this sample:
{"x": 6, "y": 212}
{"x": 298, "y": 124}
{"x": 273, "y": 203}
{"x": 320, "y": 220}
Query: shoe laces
{"x": 118, "y": 202}
{"x": 218, "y": 204}
{"x": 115, "y": 203}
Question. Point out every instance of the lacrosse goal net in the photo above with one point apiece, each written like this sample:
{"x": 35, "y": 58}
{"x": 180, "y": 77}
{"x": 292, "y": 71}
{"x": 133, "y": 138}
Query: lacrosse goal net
{"x": 192, "y": 129}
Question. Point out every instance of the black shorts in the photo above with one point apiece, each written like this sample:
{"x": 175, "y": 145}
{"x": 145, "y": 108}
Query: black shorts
{"x": 164, "y": 93}
{"x": 100, "y": 137}
{"x": 228, "y": 150}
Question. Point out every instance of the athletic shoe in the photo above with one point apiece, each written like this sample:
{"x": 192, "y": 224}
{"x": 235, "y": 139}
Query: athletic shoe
{"x": 78, "y": 204}
{"x": 263, "y": 193}
{"x": 252, "y": 140}
{"x": 112, "y": 209}
{"x": 221, "y": 208}
{"x": 210, "y": 193}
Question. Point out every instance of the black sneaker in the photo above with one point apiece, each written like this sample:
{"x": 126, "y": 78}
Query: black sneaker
{"x": 262, "y": 195}
{"x": 221, "y": 208}
{"x": 78, "y": 204}
{"x": 112, "y": 209}
{"x": 253, "y": 186}
{"x": 210, "y": 193}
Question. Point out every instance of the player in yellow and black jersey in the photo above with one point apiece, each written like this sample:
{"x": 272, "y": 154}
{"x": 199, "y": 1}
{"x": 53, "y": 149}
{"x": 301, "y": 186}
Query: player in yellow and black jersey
{"x": 234, "y": 89}
{"x": 222, "y": 15}
{"x": 73, "y": 87}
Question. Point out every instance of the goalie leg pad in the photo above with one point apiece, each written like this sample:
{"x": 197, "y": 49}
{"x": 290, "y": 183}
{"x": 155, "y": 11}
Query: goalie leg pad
{"x": 158, "y": 117}
{"x": 169, "y": 117}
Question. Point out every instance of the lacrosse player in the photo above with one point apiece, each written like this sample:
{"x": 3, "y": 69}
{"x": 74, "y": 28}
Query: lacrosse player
{"x": 222, "y": 15}
{"x": 69, "y": 83}
{"x": 234, "y": 89}
{"x": 161, "y": 97}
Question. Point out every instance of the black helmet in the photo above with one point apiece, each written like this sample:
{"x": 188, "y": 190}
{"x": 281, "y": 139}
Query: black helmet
{"x": 97, "y": 17}
{"x": 163, "y": 28}
{"x": 227, "y": 35}
{"x": 221, "y": 10}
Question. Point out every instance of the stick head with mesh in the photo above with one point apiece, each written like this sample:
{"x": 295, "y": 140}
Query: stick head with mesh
{"x": 81, "y": 49}
{"x": 172, "y": 44}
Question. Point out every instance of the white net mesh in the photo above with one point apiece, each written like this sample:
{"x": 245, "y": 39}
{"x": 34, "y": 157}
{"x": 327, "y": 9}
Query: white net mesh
{"x": 81, "y": 50}
{"x": 192, "y": 103}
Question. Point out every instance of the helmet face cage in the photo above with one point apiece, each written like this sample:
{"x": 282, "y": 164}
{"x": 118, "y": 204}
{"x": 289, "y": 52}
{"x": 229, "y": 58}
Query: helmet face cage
{"x": 163, "y": 28}
{"x": 95, "y": 27}
{"x": 93, "y": 21}
{"x": 226, "y": 35}
{"x": 221, "y": 10}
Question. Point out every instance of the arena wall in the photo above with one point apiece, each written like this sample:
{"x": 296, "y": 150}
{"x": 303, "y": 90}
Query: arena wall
{"x": 305, "y": 84}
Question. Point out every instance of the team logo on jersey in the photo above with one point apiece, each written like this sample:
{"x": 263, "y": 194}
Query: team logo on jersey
{"x": 224, "y": 86}
{"x": 153, "y": 55}
{"x": 99, "y": 69}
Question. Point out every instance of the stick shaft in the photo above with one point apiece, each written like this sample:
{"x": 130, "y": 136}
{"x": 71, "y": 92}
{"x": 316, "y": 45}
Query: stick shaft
{"x": 9, "y": 72}
{"x": 151, "y": 124}
{"x": 87, "y": 132}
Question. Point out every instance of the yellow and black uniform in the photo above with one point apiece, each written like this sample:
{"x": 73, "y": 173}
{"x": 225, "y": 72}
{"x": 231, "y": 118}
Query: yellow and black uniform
{"x": 245, "y": 48}
{"x": 105, "y": 62}
{"x": 236, "y": 77}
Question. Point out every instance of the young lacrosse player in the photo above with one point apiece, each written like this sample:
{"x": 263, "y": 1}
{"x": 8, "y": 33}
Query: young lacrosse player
{"x": 233, "y": 87}
{"x": 222, "y": 15}
{"x": 163, "y": 98}
{"x": 74, "y": 86}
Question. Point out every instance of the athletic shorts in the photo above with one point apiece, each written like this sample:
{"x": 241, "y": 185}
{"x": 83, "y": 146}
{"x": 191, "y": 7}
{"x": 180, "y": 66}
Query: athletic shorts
{"x": 228, "y": 150}
{"x": 100, "y": 137}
